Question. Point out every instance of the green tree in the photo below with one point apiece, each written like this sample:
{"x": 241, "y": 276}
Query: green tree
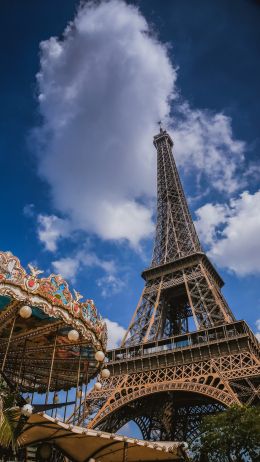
{"x": 230, "y": 436}
{"x": 9, "y": 417}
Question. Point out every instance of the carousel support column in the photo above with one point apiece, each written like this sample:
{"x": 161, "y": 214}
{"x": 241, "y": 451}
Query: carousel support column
{"x": 77, "y": 386}
{"x": 51, "y": 369}
{"x": 80, "y": 402}
{"x": 55, "y": 400}
{"x": 23, "y": 378}
{"x": 16, "y": 366}
{"x": 20, "y": 378}
{"x": 125, "y": 451}
{"x": 65, "y": 409}
{"x": 8, "y": 344}
{"x": 85, "y": 394}
{"x": 34, "y": 386}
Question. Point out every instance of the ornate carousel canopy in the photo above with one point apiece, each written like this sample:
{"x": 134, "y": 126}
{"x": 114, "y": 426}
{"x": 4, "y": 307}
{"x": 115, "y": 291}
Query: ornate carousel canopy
{"x": 50, "y": 338}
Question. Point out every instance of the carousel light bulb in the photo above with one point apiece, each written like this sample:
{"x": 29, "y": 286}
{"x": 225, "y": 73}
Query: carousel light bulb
{"x": 25, "y": 312}
{"x": 99, "y": 356}
{"x": 27, "y": 410}
{"x": 98, "y": 386}
{"x": 79, "y": 393}
{"x": 105, "y": 373}
{"x": 73, "y": 335}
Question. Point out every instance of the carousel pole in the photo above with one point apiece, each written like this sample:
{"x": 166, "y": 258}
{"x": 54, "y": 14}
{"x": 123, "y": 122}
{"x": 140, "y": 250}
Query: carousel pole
{"x": 80, "y": 402}
{"x": 85, "y": 394}
{"x": 8, "y": 344}
{"x": 125, "y": 451}
{"x": 51, "y": 369}
{"x": 80, "y": 399}
{"x": 34, "y": 386}
{"x": 65, "y": 408}
{"x": 15, "y": 366}
{"x": 21, "y": 365}
{"x": 54, "y": 400}
{"x": 77, "y": 386}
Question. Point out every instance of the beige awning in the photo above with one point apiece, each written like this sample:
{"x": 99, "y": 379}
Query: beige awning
{"x": 80, "y": 444}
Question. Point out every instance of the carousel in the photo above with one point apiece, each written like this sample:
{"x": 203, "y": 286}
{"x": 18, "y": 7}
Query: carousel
{"x": 52, "y": 344}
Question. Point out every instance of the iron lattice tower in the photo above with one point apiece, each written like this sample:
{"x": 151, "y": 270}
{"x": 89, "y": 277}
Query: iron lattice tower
{"x": 170, "y": 371}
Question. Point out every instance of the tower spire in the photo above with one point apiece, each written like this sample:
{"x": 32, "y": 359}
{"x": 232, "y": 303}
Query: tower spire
{"x": 176, "y": 236}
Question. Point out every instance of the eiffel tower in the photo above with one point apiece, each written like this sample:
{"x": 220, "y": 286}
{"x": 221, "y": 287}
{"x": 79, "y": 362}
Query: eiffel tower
{"x": 184, "y": 354}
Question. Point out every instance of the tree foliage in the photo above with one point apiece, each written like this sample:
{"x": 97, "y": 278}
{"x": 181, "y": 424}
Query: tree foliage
{"x": 9, "y": 417}
{"x": 230, "y": 436}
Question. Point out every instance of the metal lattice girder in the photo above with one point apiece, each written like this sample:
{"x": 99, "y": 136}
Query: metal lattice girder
{"x": 175, "y": 232}
{"x": 224, "y": 379}
{"x": 178, "y": 262}
{"x": 177, "y": 295}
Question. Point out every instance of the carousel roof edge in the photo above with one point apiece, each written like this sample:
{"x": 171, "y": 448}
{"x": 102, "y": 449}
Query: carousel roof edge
{"x": 52, "y": 295}
{"x": 170, "y": 448}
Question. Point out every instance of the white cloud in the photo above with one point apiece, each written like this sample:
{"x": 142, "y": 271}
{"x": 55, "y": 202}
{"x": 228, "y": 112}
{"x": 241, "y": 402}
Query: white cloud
{"x": 205, "y": 146}
{"x": 110, "y": 285}
{"x": 102, "y": 89}
{"x": 258, "y": 329}
{"x": 50, "y": 229}
{"x": 115, "y": 333}
{"x": 68, "y": 267}
{"x": 91, "y": 259}
{"x": 233, "y": 233}
{"x": 209, "y": 217}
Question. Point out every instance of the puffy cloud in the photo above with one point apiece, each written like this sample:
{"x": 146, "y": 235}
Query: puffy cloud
{"x": 91, "y": 259}
{"x": 258, "y": 330}
{"x": 50, "y": 229}
{"x": 205, "y": 146}
{"x": 102, "y": 89}
{"x": 115, "y": 333}
{"x": 110, "y": 285}
{"x": 68, "y": 267}
{"x": 209, "y": 217}
{"x": 233, "y": 233}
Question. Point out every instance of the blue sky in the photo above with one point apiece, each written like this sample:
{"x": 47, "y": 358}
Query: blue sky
{"x": 78, "y": 112}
